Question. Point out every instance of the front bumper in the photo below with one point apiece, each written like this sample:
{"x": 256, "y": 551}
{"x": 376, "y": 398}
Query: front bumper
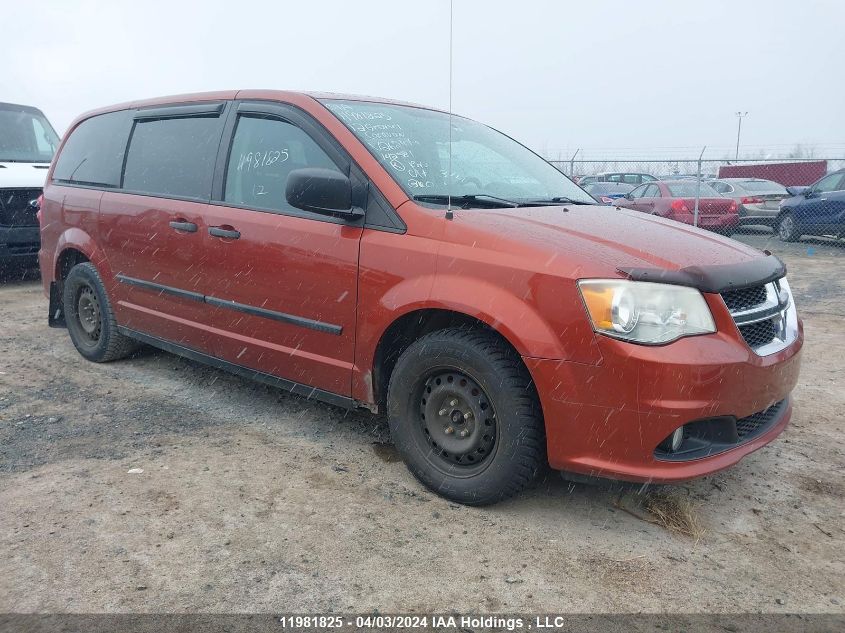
{"x": 607, "y": 420}
{"x": 19, "y": 242}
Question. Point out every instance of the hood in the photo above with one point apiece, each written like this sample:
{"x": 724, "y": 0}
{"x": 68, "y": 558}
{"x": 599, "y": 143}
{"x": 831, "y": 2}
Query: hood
{"x": 22, "y": 175}
{"x": 597, "y": 240}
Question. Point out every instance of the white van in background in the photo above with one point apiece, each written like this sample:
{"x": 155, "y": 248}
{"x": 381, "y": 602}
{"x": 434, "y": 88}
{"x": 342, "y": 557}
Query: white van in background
{"x": 27, "y": 145}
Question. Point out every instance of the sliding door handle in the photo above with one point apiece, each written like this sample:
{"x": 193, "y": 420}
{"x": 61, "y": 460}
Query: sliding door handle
{"x": 224, "y": 231}
{"x": 181, "y": 225}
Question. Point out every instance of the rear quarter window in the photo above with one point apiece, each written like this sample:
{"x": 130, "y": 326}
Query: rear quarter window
{"x": 173, "y": 156}
{"x": 93, "y": 153}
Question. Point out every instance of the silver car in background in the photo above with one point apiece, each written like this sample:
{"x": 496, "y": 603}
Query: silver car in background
{"x": 757, "y": 200}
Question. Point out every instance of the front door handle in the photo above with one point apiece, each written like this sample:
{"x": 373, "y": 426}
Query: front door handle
{"x": 181, "y": 225}
{"x": 227, "y": 232}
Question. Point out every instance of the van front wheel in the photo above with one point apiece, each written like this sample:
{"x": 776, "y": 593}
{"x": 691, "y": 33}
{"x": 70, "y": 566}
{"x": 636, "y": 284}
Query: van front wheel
{"x": 89, "y": 317}
{"x": 465, "y": 417}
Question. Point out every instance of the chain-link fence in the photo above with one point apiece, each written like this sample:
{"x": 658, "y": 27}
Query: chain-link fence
{"x": 788, "y": 172}
{"x": 704, "y": 176}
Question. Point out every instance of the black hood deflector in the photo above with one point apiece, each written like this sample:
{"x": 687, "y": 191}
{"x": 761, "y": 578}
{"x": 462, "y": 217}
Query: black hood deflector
{"x": 716, "y": 278}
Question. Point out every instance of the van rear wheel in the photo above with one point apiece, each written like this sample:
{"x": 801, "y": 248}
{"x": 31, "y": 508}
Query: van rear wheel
{"x": 89, "y": 317}
{"x": 465, "y": 417}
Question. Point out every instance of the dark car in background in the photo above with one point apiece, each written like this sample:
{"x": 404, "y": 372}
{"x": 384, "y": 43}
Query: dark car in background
{"x": 758, "y": 200}
{"x": 608, "y": 192}
{"x": 631, "y": 178}
{"x": 27, "y": 145}
{"x": 815, "y": 210}
{"x": 675, "y": 199}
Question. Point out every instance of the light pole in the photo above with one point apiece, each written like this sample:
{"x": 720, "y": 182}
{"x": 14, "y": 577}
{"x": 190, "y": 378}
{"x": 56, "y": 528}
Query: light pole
{"x": 739, "y": 116}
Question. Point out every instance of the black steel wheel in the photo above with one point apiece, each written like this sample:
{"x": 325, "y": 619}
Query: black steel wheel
{"x": 465, "y": 416}
{"x": 88, "y": 313}
{"x": 458, "y": 422}
{"x": 89, "y": 316}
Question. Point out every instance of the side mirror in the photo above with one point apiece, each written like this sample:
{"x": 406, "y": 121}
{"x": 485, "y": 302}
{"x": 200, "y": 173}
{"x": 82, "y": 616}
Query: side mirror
{"x": 321, "y": 191}
{"x": 797, "y": 191}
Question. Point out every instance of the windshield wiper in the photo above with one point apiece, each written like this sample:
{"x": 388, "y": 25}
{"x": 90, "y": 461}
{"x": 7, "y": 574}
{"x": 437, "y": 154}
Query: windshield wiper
{"x": 463, "y": 201}
{"x": 564, "y": 200}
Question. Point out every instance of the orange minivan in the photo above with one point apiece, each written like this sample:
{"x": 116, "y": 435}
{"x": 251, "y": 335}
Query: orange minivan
{"x": 377, "y": 254}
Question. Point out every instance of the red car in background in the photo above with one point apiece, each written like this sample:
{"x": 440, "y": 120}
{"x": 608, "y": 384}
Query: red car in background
{"x": 675, "y": 199}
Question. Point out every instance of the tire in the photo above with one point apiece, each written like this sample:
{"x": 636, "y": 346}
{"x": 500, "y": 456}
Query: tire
{"x": 787, "y": 228}
{"x": 90, "y": 318}
{"x": 472, "y": 382}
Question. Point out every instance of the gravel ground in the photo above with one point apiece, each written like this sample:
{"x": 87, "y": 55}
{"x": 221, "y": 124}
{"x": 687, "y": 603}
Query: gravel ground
{"x": 254, "y": 500}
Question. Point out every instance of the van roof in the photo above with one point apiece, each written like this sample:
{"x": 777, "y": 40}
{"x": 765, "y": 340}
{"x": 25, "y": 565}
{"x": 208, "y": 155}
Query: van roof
{"x": 222, "y": 95}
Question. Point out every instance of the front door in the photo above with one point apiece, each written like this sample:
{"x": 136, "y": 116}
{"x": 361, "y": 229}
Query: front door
{"x": 285, "y": 281}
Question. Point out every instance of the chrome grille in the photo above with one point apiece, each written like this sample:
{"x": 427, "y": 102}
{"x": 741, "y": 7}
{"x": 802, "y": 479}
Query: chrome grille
{"x": 757, "y": 334}
{"x": 744, "y": 298}
{"x": 764, "y": 315}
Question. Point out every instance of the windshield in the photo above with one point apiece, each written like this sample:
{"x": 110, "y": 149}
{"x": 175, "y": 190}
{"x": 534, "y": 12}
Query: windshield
{"x": 26, "y": 136}
{"x": 412, "y": 144}
{"x": 689, "y": 189}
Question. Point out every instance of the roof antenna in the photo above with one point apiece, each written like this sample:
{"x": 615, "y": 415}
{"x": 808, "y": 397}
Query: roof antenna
{"x": 449, "y": 214}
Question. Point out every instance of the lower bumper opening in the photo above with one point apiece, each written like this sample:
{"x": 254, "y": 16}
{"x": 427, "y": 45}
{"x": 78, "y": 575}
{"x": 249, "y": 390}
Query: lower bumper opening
{"x": 710, "y": 436}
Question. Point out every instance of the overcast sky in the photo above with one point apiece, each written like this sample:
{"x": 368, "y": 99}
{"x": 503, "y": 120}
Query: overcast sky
{"x": 617, "y": 77}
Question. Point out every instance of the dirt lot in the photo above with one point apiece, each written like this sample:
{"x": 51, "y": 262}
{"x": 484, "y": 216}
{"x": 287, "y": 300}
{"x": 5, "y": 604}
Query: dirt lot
{"x": 254, "y": 500}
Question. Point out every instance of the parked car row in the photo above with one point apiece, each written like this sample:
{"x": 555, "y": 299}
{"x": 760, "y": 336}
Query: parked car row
{"x": 791, "y": 211}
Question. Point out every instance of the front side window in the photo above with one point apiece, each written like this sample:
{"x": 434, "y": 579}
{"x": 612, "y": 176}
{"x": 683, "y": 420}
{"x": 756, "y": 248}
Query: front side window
{"x": 26, "y": 136}
{"x": 264, "y": 152}
{"x": 93, "y": 153}
{"x": 638, "y": 192}
{"x": 652, "y": 191}
{"x": 829, "y": 183}
{"x": 413, "y": 146}
{"x": 173, "y": 156}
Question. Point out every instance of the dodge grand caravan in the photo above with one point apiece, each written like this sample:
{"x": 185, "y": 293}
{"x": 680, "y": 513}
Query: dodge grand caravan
{"x": 375, "y": 254}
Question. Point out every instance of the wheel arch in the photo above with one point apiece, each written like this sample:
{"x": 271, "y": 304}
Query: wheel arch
{"x": 75, "y": 244}
{"x": 409, "y": 327}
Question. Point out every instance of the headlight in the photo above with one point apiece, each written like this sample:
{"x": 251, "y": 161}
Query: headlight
{"x": 644, "y": 312}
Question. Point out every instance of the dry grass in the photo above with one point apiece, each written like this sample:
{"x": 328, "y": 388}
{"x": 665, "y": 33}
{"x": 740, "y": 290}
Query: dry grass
{"x": 674, "y": 513}
{"x": 669, "y": 512}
